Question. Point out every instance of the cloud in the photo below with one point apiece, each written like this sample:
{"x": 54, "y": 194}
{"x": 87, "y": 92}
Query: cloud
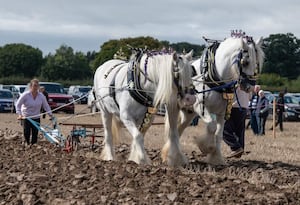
{"x": 90, "y": 23}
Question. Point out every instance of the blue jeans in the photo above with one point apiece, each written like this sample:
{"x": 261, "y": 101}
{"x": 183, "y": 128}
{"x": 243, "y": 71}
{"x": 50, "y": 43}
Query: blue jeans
{"x": 261, "y": 123}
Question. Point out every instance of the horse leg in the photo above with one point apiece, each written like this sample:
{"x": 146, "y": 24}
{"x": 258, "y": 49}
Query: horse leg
{"x": 216, "y": 157}
{"x": 207, "y": 143}
{"x": 137, "y": 153}
{"x": 171, "y": 152}
{"x": 185, "y": 120}
{"x": 108, "y": 149}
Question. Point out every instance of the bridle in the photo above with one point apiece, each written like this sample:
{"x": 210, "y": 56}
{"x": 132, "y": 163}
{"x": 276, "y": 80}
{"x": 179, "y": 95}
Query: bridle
{"x": 242, "y": 60}
{"x": 190, "y": 89}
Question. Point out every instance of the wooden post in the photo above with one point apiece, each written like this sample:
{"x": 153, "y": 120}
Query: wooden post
{"x": 274, "y": 116}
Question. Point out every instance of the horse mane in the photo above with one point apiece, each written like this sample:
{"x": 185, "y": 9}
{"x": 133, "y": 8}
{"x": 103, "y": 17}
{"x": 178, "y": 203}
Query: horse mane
{"x": 159, "y": 69}
{"x": 259, "y": 53}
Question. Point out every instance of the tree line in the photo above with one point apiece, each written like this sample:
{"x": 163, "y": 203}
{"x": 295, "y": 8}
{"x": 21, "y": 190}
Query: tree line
{"x": 20, "y": 62}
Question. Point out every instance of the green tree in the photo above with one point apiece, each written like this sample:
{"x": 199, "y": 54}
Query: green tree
{"x": 184, "y": 46}
{"x": 20, "y": 60}
{"x": 64, "y": 64}
{"x": 109, "y": 48}
{"x": 282, "y": 53}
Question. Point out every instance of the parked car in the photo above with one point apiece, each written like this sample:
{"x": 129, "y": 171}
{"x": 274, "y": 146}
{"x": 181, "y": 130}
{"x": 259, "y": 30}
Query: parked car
{"x": 81, "y": 92}
{"x": 291, "y": 107}
{"x": 7, "y": 101}
{"x": 297, "y": 95}
{"x": 13, "y": 89}
{"x": 21, "y": 88}
{"x": 66, "y": 90}
{"x": 57, "y": 97}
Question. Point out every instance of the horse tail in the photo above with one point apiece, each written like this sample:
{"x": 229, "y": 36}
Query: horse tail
{"x": 115, "y": 127}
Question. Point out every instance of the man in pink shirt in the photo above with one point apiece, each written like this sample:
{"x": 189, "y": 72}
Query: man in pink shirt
{"x": 29, "y": 106}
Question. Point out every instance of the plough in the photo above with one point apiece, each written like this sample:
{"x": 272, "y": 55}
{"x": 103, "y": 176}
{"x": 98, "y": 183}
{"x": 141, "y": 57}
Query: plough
{"x": 52, "y": 132}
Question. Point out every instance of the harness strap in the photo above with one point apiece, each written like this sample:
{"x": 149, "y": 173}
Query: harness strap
{"x": 208, "y": 69}
{"x": 229, "y": 97}
{"x": 133, "y": 79}
{"x": 108, "y": 72}
{"x": 112, "y": 85}
{"x": 147, "y": 121}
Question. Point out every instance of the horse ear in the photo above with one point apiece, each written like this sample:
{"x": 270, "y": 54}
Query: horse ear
{"x": 189, "y": 56}
{"x": 259, "y": 41}
{"x": 175, "y": 57}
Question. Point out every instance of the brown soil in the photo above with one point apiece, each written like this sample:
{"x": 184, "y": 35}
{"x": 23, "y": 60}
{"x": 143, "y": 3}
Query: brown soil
{"x": 44, "y": 174}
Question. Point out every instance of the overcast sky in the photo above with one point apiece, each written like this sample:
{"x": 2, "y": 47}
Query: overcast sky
{"x": 86, "y": 25}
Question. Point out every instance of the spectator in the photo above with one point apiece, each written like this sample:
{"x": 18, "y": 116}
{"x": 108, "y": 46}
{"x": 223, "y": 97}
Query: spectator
{"x": 252, "y": 106}
{"x": 279, "y": 111}
{"x": 43, "y": 90}
{"x": 29, "y": 106}
{"x": 234, "y": 128}
{"x": 262, "y": 112}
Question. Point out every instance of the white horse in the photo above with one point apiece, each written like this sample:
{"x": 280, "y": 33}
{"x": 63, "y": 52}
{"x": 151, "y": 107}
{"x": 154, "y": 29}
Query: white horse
{"x": 128, "y": 91}
{"x": 225, "y": 63}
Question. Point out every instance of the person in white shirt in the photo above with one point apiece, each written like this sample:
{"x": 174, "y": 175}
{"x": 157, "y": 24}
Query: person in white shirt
{"x": 29, "y": 106}
{"x": 234, "y": 128}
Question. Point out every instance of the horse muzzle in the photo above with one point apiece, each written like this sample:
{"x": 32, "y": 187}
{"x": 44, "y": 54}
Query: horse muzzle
{"x": 246, "y": 84}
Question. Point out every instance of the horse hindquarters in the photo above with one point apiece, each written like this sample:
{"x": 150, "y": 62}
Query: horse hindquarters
{"x": 104, "y": 76}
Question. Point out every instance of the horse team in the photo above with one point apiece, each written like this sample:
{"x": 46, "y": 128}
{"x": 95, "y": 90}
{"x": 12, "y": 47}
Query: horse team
{"x": 130, "y": 92}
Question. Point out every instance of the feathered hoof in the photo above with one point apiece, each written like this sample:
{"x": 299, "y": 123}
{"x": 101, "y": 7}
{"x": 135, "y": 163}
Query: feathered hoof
{"x": 215, "y": 159}
{"x": 204, "y": 147}
{"x": 176, "y": 159}
{"x": 106, "y": 156}
{"x": 140, "y": 161}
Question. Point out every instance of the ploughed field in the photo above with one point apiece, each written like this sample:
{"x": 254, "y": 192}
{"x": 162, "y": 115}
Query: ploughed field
{"x": 268, "y": 173}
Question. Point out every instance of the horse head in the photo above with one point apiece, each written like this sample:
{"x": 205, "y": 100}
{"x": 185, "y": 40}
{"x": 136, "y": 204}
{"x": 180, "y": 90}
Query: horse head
{"x": 183, "y": 72}
{"x": 250, "y": 62}
{"x": 243, "y": 56}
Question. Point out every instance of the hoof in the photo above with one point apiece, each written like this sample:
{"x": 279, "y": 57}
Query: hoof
{"x": 139, "y": 159}
{"x": 215, "y": 159}
{"x": 204, "y": 147}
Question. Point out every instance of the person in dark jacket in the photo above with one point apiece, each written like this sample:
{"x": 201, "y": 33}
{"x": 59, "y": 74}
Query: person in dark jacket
{"x": 279, "y": 111}
{"x": 262, "y": 112}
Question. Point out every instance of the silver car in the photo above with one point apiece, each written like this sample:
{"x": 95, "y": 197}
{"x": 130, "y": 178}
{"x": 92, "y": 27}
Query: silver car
{"x": 7, "y": 101}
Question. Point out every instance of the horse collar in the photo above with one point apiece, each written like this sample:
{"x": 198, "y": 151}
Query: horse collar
{"x": 133, "y": 80}
{"x": 208, "y": 69}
